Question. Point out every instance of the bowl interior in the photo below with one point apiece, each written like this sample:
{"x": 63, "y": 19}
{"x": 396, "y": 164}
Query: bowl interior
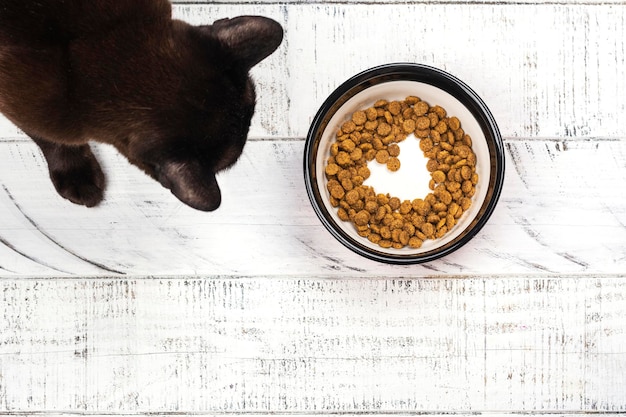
{"x": 416, "y": 187}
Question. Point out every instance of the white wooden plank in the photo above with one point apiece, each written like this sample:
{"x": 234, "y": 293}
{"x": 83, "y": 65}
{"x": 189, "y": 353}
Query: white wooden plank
{"x": 564, "y": 65}
{"x": 548, "y": 70}
{"x": 560, "y": 212}
{"x": 291, "y": 345}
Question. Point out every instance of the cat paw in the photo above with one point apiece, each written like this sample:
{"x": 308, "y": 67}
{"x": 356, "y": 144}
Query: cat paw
{"x": 80, "y": 191}
{"x": 81, "y": 182}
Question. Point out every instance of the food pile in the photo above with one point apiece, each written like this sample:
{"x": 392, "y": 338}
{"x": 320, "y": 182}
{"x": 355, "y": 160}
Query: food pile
{"x": 373, "y": 134}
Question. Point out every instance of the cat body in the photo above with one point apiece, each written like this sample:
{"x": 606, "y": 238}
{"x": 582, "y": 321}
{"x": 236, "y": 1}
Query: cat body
{"x": 175, "y": 99}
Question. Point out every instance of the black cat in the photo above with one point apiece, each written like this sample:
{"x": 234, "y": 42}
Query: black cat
{"x": 175, "y": 99}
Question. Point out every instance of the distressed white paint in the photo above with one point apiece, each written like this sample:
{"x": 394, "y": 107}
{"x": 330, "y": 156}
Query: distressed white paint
{"x": 144, "y": 306}
{"x": 314, "y": 345}
{"x": 555, "y": 215}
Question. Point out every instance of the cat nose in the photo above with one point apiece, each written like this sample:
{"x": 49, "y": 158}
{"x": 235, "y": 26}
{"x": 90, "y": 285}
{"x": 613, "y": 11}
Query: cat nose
{"x": 204, "y": 203}
{"x": 191, "y": 184}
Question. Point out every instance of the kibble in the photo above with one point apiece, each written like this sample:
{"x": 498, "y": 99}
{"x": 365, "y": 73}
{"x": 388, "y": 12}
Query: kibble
{"x": 373, "y": 134}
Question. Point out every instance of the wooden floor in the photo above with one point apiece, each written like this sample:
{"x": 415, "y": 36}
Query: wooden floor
{"x": 143, "y": 306}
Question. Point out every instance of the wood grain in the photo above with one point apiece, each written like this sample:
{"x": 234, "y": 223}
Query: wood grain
{"x": 313, "y": 345}
{"x": 555, "y": 215}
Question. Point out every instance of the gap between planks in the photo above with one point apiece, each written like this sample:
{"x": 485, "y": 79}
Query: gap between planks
{"x": 542, "y": 413}
{"x": 318, "y": 277}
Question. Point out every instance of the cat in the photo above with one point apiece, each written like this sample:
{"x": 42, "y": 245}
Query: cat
{"x": 175, "y": 99}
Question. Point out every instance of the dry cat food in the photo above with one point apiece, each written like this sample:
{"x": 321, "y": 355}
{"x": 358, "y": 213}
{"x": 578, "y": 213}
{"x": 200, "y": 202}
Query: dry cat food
{"x": 373, "y": 134}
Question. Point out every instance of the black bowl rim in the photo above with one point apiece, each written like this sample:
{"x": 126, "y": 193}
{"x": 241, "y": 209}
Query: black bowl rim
{"x": 407, "y": 72}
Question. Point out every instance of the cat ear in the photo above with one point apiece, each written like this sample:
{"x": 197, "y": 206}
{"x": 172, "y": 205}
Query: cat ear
{"x": 191, "y": 184}
{"x": 249, "y": 38}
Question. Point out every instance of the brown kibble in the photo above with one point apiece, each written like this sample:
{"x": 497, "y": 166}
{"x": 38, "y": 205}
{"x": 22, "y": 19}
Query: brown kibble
{"x": 388, "y": 139}
{"x": 420, "y": 108}
{"x": 454, "y": 123}
{"x": 371, "y": 114}
{"x": 453, "y": 186}
{"x": 420, "y": 206}
{"x": 347, "y": 184}
{"x": 333, "y": 169}
{"x": 405, "y": 207}
{"x": 439, "y": 176}
{"x": 434, "y": 119}
{"x": 393, "y": 164}
{"x": 348, "y": 127}
{"x": 352, "y": 197}
{"x": 433, "y": 218}
{"x": 356, "y": 154}
{"x": 393, "y": 149}
{"x": 382, "y": 156}
{"x": 359, "y": 118}
{"x": 361, "y": 218}
{"x": 415, "y": 242}
{"x": 385, "y": 243}
{"x": 446, "y": 146}
{"x": 409, "y": 126}
{"x": 439, "y": 111}
{"x": 462, "y": 150}
{"x": 422, "y": 123}
{"x": 347, "y": 145}
{"x": 450, "y": 221}
{"x": 394, "y": 203}
{"x": 428, "y": 229}
{"x": 343, "y": 174}
{"x": 441, "y": 127}
{"x": 432, "y": 165}
{"x": 363, "y": 171}
{"x": 445, "y": 197}
{"x": 343, "y": 159}
{"x": 404, "y": 237}
{"x": 374, "y": 238}
{"x": 337, "y": 191}
{"x": 442, "y": 231}
{"x": 395, "y": 108}
{"x": 383, "y": 129}
{"x": 422, "y": 133}
{"x": 371, "y": 206}
{"x": 439, "y": 207}
{"x": 380, "y": 213}
{"x": 371, "y": 125}
{"x": 466, "y": 172}
{"x": 426, "y": 145}
{"x": 467, "y": 186}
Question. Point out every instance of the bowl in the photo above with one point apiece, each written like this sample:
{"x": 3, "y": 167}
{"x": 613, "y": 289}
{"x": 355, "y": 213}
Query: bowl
{"x": 396, "y": 82}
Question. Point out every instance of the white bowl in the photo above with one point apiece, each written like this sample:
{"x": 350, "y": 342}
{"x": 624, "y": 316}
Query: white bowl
{"x": 396, "y": 82}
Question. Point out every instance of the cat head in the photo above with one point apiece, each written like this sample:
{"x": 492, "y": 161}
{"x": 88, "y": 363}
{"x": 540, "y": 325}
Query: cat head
{"x": 204, "y": 128}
